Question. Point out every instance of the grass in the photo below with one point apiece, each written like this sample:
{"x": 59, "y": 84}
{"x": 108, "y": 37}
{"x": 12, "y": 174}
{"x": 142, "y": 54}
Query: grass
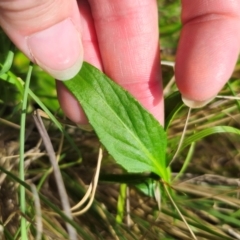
{"x": 21, "y": 154}
{"x": 126, "y": 206}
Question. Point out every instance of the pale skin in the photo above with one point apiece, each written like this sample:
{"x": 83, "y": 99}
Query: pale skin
{"x": 121, "y": 39}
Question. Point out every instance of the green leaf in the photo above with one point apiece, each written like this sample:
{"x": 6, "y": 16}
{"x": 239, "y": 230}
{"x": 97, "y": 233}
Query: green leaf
{"x": 147, "y": 187}
{"x": 132, "y": 135}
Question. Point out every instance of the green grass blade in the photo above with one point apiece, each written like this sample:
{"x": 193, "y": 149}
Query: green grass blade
{"x": 21, "y": 164}
{"x": 52, "y": 117}
{"x": 209, "y": 131}
{"x": 186, "y": 162}
{"x": 121, "y": 203}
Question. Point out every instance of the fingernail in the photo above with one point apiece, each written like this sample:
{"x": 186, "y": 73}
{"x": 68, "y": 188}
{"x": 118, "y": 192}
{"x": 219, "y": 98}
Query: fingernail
{"x": 195, "y": 104}
{"x": 58, "y": 50}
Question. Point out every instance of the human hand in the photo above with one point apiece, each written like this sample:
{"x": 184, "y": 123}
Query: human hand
{"x": 121, "y": 38}
{"x": 208, "y": 48}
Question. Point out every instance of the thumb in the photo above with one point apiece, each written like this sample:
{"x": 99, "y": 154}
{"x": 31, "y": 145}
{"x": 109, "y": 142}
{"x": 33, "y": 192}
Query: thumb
{"x": 47, "y": 32}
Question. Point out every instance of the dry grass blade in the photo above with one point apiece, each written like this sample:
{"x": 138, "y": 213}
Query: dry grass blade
{"x": 38, "y": 212}
{"x": 180, "y": 214}
{"x": 228, "y": 97}
{"x": 182, "y": 137}
{"x": 1, "y": 232}
{"x": 9, "y": 213}
{"x": 207, "y": 192}
{"x": 210, "y": 179}
{"x": 231, "y": 232}
{"x": 128, "y": 207}
{"x": 84, "y": 199}
{"x": 92, "y": 188}
{"x": 58, "y": 177}
{"x": 8, "y": 123}
{"x": 157, "y": 195}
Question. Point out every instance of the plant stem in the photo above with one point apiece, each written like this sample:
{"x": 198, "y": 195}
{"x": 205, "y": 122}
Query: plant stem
{"x": 21, "y": 152}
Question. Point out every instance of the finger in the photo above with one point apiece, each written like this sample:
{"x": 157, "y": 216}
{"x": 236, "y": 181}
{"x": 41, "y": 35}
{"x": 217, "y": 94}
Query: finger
{"x": 48, "y": 32}
{"x": 127, "y": 33}
{"x": 208, "y": 48}
{"x": 68, "y": 103}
